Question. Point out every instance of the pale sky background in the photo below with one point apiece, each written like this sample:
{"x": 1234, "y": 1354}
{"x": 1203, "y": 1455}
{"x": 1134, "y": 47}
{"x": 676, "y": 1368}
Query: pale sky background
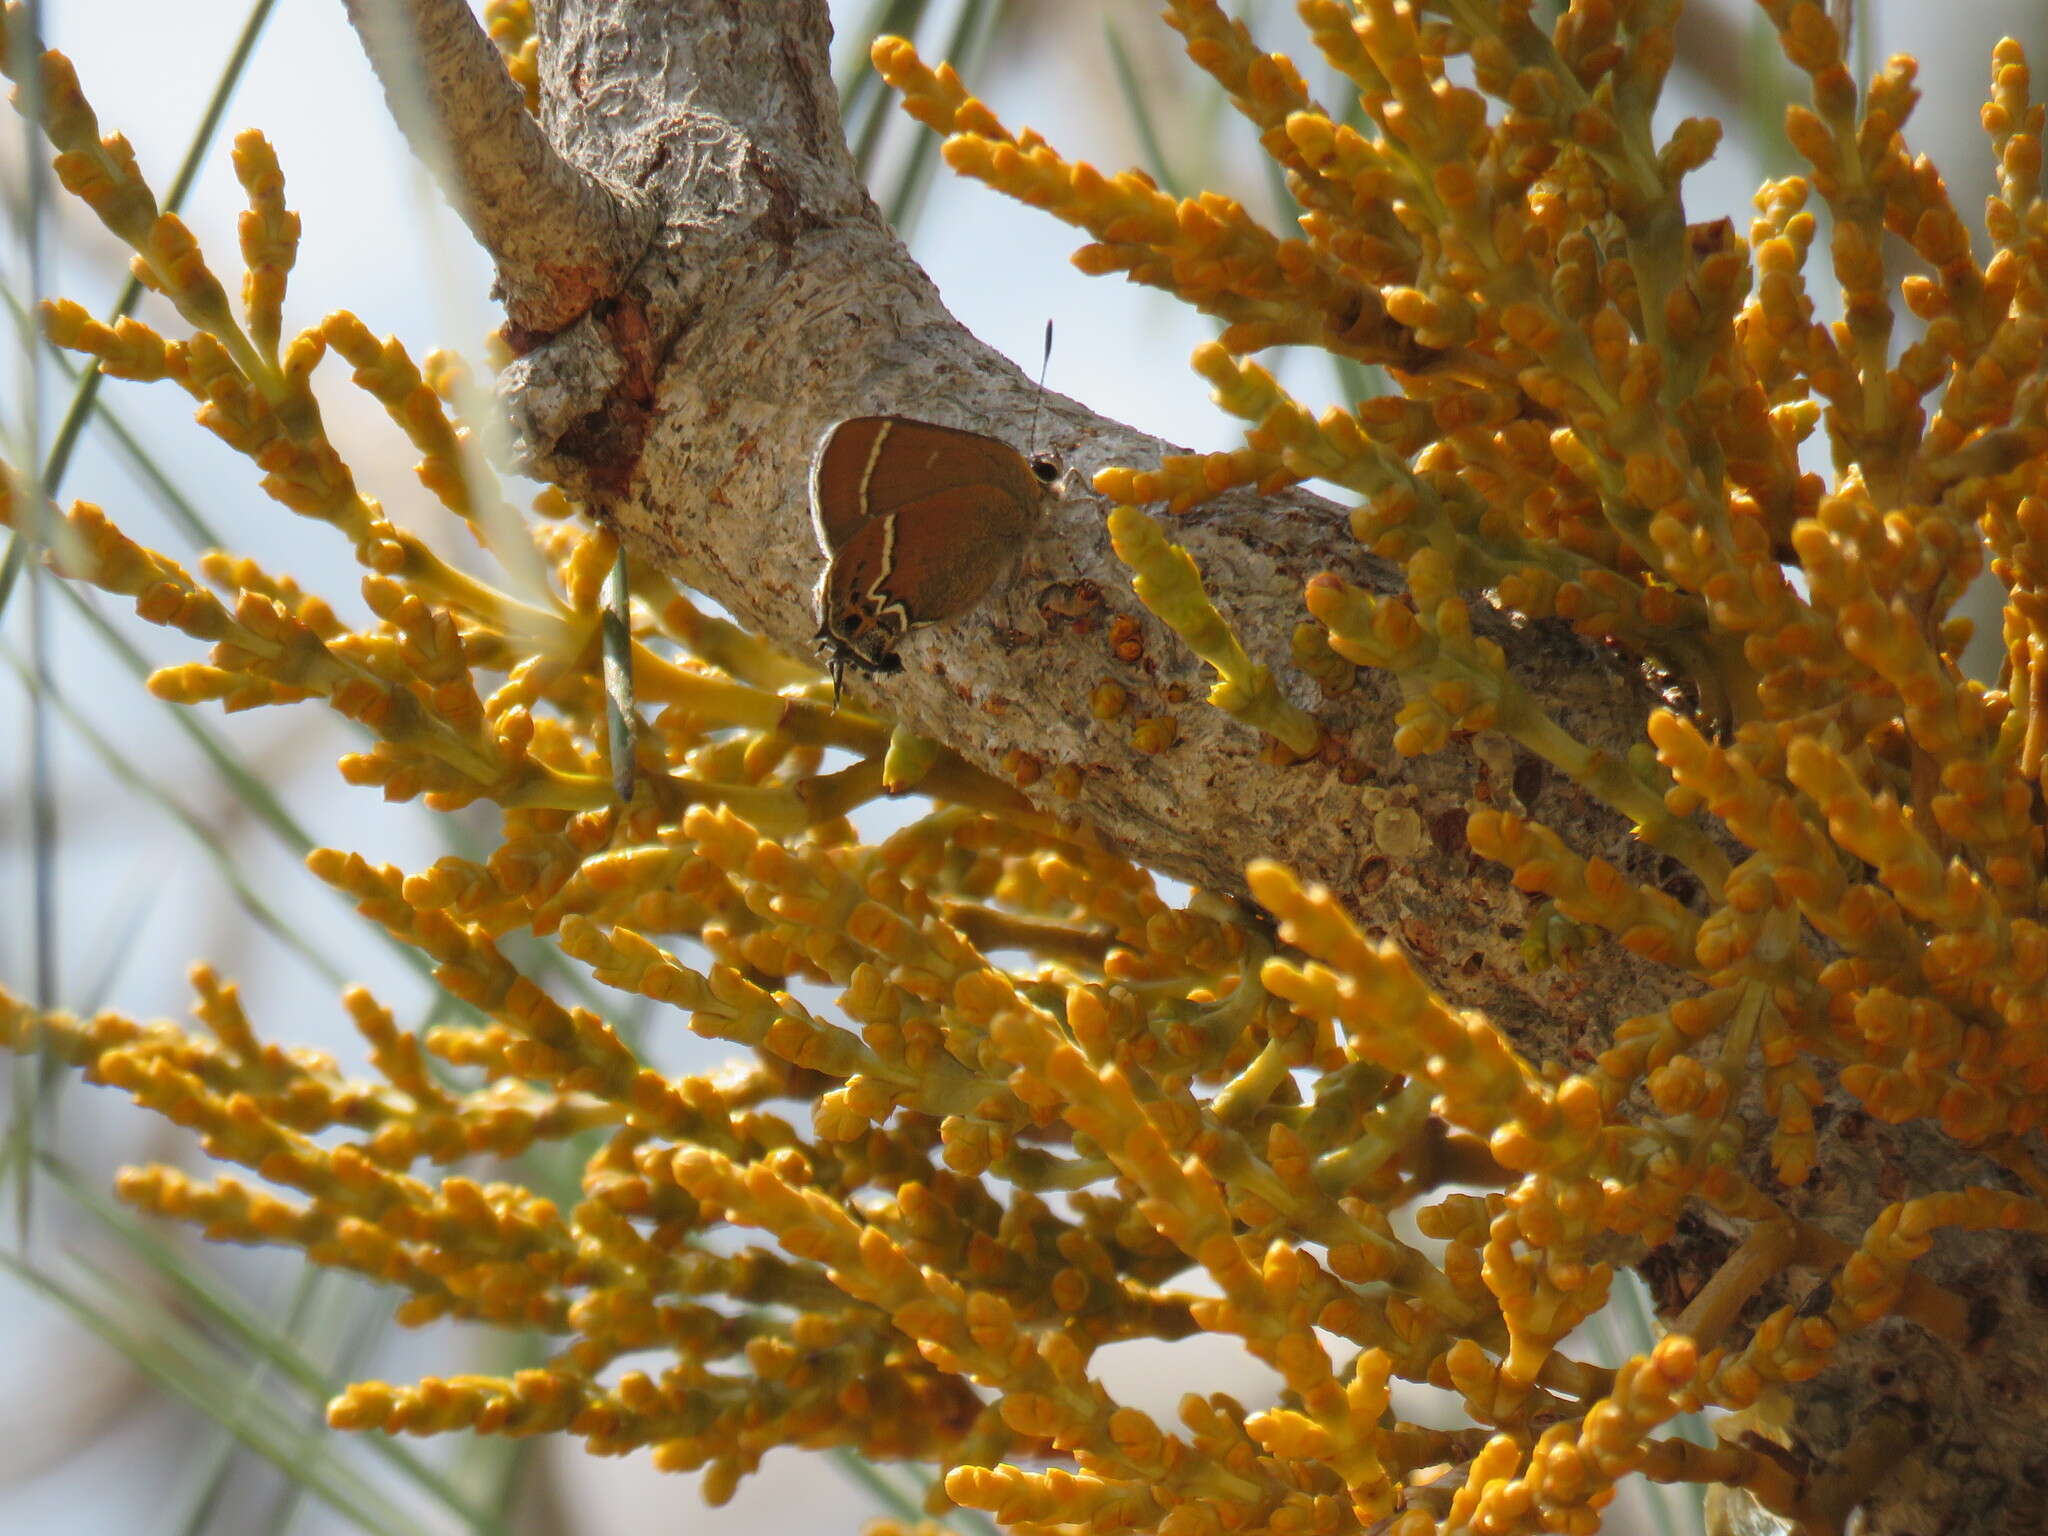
{"x": 138, "y": 899}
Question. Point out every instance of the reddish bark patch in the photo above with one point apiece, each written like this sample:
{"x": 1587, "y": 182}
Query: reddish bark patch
{"x": 1421, "y": 939}
{"x": 608, "y": 441}
{"x": 554, "y": 296}
{"x": 519, "y": 340}
{"x": 1447, "y": 831}
{"x": 781, "y": 219}
{"x": 1076, "y": 605}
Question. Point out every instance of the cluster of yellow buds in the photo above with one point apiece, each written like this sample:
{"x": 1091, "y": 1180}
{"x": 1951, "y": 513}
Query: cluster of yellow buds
{"x": 1598, "y": 416}
{"x": 1166, "y": 1120}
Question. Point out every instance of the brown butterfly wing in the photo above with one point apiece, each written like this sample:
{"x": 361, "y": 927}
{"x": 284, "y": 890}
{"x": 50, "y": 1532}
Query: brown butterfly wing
{"x": 948, "y": 548}
{"x": 853, "y": 592}
{"x": 869, "y": 466}
{"x": 840, "y": 470}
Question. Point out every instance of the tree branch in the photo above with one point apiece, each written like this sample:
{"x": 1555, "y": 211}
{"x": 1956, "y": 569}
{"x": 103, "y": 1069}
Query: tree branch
{"x": 563, "y": 239}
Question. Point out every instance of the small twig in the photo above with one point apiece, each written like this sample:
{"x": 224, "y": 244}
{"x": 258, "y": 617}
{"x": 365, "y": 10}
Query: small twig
{"x": 1750, "y": 1466}
{"x": 620, "y": 710}
{"x": 1720, "y": 1301}
{"x": 1942, "y": 1313}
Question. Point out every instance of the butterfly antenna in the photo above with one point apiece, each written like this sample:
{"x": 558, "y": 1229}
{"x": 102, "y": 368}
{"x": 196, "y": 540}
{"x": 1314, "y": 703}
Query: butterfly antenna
{"x": 1038, "y": 405}
{"x": 618, "y": 677}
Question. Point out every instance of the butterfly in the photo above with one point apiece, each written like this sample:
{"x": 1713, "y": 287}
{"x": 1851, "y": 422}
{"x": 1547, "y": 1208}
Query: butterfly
{"x": 916, "y": 522}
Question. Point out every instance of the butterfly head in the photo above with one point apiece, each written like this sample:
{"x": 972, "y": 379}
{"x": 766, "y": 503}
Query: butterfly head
{"x": 862, "y": 637}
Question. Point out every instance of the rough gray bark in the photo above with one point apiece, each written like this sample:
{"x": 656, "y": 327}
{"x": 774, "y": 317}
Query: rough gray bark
{"x": 773, "y": 300}
{"x": 563, "y": 240}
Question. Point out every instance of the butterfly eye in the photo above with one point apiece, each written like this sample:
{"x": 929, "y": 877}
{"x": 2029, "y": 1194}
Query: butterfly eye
{"x": 1045, "y": 468}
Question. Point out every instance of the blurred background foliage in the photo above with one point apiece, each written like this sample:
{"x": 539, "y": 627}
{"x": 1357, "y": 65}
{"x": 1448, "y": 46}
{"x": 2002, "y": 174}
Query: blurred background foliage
{"x": 158, "y": 1384}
